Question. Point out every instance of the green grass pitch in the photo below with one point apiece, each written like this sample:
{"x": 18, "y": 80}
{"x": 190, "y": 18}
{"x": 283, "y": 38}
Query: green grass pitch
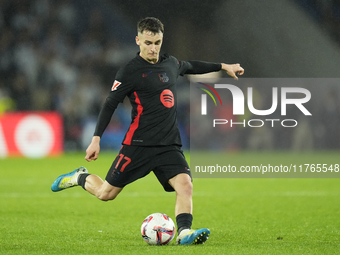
{"x": 245, "y": 216}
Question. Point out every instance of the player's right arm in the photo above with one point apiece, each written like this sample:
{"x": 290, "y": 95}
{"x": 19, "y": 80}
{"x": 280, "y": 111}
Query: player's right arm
{"x": 119, "y": 90}
{"x": 92, "y": 151}
{"x": 104, "y": 118}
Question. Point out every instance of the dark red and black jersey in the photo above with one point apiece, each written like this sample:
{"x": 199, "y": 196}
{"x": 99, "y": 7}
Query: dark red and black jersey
{"x": 151, "y": 89}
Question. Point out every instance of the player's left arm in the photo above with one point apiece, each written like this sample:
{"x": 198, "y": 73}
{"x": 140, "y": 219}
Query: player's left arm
{"x": 233, "y": 70}
{"x": 201, "y": 67}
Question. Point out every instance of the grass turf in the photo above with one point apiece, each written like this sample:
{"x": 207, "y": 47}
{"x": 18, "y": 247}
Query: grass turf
{"x": 245, "y": 216}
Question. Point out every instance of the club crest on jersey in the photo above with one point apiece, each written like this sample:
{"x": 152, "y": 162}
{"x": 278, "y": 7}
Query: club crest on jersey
{"x": 163, "y": 77}
{"x": 115, "y": 85}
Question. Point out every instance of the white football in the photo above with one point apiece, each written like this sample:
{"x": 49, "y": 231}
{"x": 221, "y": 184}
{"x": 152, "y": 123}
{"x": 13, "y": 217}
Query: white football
{"x": 158, "y": 229}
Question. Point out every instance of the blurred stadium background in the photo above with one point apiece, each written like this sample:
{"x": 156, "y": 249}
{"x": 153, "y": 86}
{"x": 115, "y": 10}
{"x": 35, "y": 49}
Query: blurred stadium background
{"x": 62, "y": 55}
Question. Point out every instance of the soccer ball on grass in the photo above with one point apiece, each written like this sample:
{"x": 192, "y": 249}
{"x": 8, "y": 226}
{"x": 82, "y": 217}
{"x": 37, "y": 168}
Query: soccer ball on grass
{"x": 158, "y": 229}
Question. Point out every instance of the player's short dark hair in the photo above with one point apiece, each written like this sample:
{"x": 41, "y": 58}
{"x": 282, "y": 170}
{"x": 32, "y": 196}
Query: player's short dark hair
{"x": 151, "y": 24}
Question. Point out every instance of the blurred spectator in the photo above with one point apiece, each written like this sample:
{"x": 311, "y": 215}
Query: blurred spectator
{"x": 6, "y": 103}
{"x": 62, "y": 55}
{"x": 21, "y": 93}
{"x": 57, "y": 55}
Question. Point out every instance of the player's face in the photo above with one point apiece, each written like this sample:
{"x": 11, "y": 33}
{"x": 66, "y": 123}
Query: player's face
{"x": 150, "y": 45}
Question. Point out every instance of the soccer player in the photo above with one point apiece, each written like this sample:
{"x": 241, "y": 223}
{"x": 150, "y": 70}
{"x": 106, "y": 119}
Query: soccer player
{"x": 152, "y": 142}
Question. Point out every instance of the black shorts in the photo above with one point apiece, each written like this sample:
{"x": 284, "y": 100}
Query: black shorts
{"x": 135, "y": 162}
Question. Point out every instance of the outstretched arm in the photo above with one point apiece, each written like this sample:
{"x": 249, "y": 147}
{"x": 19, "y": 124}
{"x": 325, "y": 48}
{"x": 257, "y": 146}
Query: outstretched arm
{"x": 233, "y": 70}
{"x": 201, "y": 67}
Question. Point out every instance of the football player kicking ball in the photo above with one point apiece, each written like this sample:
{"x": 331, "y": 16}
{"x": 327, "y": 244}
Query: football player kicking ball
{"x": 152, "y": 142}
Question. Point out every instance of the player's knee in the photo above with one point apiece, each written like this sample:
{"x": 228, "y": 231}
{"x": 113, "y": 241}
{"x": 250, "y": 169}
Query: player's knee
{"x": 108, "y": 192}
{"x": 107, "y": 196}
{"x": 189, "y": 188}
{"x": 185, "y": 188}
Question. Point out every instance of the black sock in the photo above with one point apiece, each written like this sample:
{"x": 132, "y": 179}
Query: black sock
{"x": 82, "y": 179}
{"x": 184, "y": 221}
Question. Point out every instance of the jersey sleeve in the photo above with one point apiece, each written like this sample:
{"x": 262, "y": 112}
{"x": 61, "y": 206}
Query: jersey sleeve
{"x": 121, "y": 87}
{"x": 105, "y": 115}
{"x": 197, "y": 67}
